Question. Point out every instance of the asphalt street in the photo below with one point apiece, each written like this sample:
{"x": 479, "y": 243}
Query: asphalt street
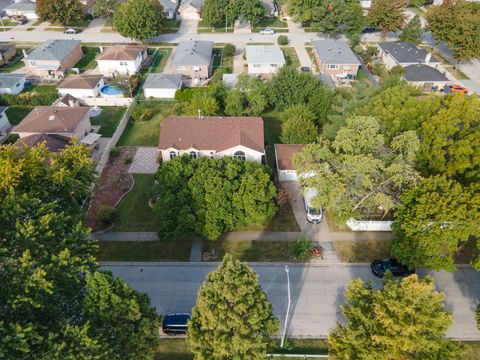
{"x": 317, "y": 292}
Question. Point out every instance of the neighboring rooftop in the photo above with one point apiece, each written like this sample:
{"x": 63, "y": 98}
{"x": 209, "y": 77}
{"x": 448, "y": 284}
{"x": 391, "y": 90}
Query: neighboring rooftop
{"x": 335, "y": 52}
{"x": 4, "y": 47}
{"x": 27, "y": 6}
{"x": 8, "y": 81}
{"x": 163, "y": 81}
{"x": 405, "y": 52}
{"x": 81, "y": 81}
{"x": 264, "y": 54}
{"x": 2, "y": 109}
{"x": 121, "y": 52}
{"x": 269, "y": 5}
{"x": 422, "y": 72}
{"x": 211, "y": 133}
{"x": 168, "y": 4}
{"x": 54, "y": 142}
{"x": 284, "y": 153}
{"x": 197, "y": 4}
{"x": 193, "y": 52}
{"x": 66, "y": 100}
{"x": 57, "y": 50}
{"x": 52, "y": 119}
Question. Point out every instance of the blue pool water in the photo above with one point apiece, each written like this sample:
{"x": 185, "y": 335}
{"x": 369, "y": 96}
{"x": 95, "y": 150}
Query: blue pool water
{"x": 111, "y": 90}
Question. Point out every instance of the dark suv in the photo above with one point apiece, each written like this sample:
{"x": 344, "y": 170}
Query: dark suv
{"x": 380, "y": 267}
{"x": 175, "y": 323}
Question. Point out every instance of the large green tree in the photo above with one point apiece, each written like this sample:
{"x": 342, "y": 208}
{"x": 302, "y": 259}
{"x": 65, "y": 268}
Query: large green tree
{"x": 251, "y": 10}
{"x": 387, "y": 15}
{"x": 138, "y": 19}
{"x": 210, "y": 196}
{"x": 450, "y": 139}
{"x": 456, "y": 23}
{"x": 65, "y": 12}
{"x": 359, "y": 174}
{"x": 404, "y": 320}
{"x": 232, "y": 318}
{"x": 298, "y": 125}
{"x": 214, "y": 12}
{"x": 433, "y": 221}
{"x": 412, "y": 32}
{"x": 105, "y": 9}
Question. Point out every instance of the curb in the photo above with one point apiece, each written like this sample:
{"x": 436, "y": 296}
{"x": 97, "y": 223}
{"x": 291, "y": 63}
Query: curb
{"x": 212, "y": 264}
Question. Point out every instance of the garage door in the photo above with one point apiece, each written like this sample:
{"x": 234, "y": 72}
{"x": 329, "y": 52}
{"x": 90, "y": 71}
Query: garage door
{"x": 189, "y": 15}
{"x": 287, "y": 175}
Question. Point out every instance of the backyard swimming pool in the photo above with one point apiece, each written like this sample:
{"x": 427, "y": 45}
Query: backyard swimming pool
{"x": 111, "y": 90}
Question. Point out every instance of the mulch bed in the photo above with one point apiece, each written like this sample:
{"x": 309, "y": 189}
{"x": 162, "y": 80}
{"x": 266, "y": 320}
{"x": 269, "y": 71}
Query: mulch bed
{"x": 114, "y": 182}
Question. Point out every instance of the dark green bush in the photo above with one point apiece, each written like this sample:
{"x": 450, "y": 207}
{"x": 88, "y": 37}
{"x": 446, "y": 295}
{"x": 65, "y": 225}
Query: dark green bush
{"x": 186, "y": 94}
{"x": 142, "y": 113}
{"x": 228, "y": 50}
{"x": 29, "y": 99}
{"x": 282, "y": 40}
{"x": 114, "y": 152}
{"x": 106, "y": 214}
{"x": 301, "y": 249}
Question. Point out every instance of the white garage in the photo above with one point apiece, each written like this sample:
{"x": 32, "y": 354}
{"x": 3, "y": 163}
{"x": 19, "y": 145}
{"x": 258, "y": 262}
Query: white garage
{"x": 190, "y": 10}
{"x": 283, "y": 160}
{"x": 162, "y": 85}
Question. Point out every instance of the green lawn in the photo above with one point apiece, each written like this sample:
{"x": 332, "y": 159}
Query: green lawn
{"x": 8, "y": 22}
{"x": 144, "y": 250}
{"x": 173, "y": 349}
{"x": 17, "y": 64}
{"x": 87, "y": 62}
{"x": 16, "y": 114}
{"x": 303, "y": 346}
{"x": 272, "y": 128}
{"x": 38, "y": 22}
{"x": 43, "y": 89}
{"x": 472, "y": 350}
{"x": 362, "y": 251}
{"x": 84, "y": 23}
{"x": 252, "y": 251}
{"x": 133, "y": 211}
{"x": 171, "y": 23}
{"x": 108, "y": 120}
{"x": 144, "y": 133}
{"x": 160, "y": 60}
{"x": 272, "y": 23}
{"x": 291, "y": 56}
{"x": 217, "y": 58}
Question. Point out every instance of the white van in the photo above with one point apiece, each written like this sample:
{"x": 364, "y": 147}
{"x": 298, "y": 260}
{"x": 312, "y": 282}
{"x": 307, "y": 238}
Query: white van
{"x": 314, "y": 215}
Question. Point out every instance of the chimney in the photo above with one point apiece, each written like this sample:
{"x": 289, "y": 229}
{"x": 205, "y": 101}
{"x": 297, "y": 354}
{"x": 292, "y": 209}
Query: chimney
{"x": 24, "y": 53}
{"x": 428, "y": 57}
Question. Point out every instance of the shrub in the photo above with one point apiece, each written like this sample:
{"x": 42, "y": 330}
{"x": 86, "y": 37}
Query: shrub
{"x": 128, "y": 160}
{"x": 114, "y": 152}
{"x": 186, "y": 94}
{"x": 396, "y": 71}
{"x": 106, "y": 214}
{"x": 142, "y": 113}
{"x": 301, "y": 249}
{"x": 228, "y": 50}
{"x": 477, "y": 316}
{"x": 29, "y": 98}
{"x": 282, "y": 40}
{"x": 358, "y": 49}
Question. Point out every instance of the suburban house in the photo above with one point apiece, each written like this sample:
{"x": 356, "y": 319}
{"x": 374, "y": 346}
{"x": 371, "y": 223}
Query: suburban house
{"x": 264, "y": 59}
{"x": 12, "y": 83}
{"x": 24, "y": 8}
{"x": 53, "y": 58}
{"x": 121, "y": 59}
{"x": 336, "y": 59}
{"x": 53, "y": 142}
{"x": 404, "y": 54}
{"x": 215, "y": 137}
{"x": 5, "y": 126}
{"x": 59, "y": 120}
{"x": 190, "y": 10}
{"x": 193, "y": 59}
{"x": 162, "y": 85}
{"x": 424, "y": 77}
{"x": 271, "y": 8}
{"x": 170, "y": 8}
{"x": 67, "y": 100}
{"x": 283, "y": 161}
{"x": 7, "y": 52}
{"x": 82, "y": 85}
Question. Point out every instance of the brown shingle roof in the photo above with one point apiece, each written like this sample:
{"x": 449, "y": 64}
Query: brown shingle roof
{"x": 284, "y": 153}
{"x": 82, "y": 81}
{"x": 121, "y": 52}
{"x": 54, "y": 142}
{"x": 52, "y": 119}
{"x": 211, "y": 133}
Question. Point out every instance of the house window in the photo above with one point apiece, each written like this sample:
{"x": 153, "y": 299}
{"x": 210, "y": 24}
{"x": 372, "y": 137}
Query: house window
{"x": 193, "y": 154}
{"x": 332, "y": 66}
{"x": 123, "y": 63}
{"x": 173, "y": 154}
{"x": 257, "y": 65}
{"x": 274, "y": 65}
{"x": 239, "y": 155}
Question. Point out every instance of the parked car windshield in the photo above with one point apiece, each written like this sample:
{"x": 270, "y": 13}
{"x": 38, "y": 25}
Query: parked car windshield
{"x": 313, "y": 211}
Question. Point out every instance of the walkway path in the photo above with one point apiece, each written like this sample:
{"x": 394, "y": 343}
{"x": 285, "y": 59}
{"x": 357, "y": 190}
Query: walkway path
{"x": 144, "y": 161}
{"x": 302, "y": 54}
{"x": 197, "y": 249}
{"x": 188, "y": 27}
{"x": 294, "y": 27}
{"x": 238, "y": 62}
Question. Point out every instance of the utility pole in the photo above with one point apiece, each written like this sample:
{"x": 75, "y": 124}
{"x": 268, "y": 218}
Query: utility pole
{"x": 287, "y": 270}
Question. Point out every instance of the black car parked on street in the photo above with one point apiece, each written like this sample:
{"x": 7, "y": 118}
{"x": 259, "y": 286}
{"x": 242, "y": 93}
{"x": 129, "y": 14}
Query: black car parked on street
{"x": 175, "y": 323}
{"x": 380, "y": 267}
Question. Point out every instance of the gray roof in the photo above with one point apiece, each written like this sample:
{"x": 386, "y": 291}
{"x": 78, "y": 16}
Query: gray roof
{"x": 197, "y": 4}
{"x": 8, "y": 81}
{"x": 168, "y": 4}
{"x": 269, "y": 5}
{"x": 327, "y": 80}
{"x": 405, "y": 53}
{"x": 2, "y": 109}
{"x": 422, "y": 72}
{"x": 193, "y": 52}
{"x": 335, "y": 52}
{"x": 53, "y": 50}
{"x": 163, "y": 81}
{"x": 22, "y": 6}
{"x": 264, "y": 54}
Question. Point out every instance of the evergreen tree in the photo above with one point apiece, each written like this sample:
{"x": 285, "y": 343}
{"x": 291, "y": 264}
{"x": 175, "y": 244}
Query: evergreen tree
{"x": 232, "y": 317}
{"x": 412, "y": 32}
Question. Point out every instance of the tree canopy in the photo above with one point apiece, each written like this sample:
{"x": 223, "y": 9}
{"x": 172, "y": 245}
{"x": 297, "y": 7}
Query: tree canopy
{"x": 232, "y": 317}
{"x": 412, "y": 32}
{"x": 433, "y": 221}
{"x": 358, "y": 174}
{"x": 105, "y": 9}
{"x": 217, "y": 12}
{"x": 404, "y": 320}
{"x": 298, "y": 125}
{"x": 387, "y": 15}
{"x": 65, "y": 12}
{"x": 456, "y": 23}
{"x": 212, "y": 196}
{"x": 138, "y": 19}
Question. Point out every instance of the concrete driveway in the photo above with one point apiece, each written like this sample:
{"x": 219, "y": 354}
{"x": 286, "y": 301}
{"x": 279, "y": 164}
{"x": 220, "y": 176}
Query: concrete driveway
{"x": 317, "y": 292}
{"x": 188, "y": 27}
